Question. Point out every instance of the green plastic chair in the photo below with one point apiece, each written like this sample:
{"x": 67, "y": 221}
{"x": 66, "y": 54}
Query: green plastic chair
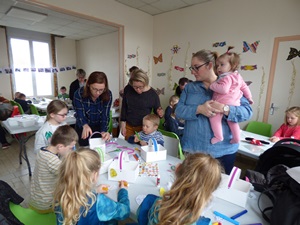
{"x": 110, "y": 125}
{"x": 34, "y": 110}
{"x": 261, "y": 128}
{"x": 31, "y": 217}
{"x": 17, "y": 104}
{"x": 172, "y": 135}
{"x": 161, "y": 124}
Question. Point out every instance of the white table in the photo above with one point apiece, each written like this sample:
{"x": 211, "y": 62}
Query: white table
{"x": 253, "y": 151}
{"x": 42, "y": 105}
{"x": 20, "y": 135}
{"x": 147, "y": 185}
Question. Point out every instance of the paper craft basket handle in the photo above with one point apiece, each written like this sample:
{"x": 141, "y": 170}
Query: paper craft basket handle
{"x": 96, "y": 132}
{"x": 123, "y": 156}
{"x": 153, "y": 142}
{"x": 101, "y": 153}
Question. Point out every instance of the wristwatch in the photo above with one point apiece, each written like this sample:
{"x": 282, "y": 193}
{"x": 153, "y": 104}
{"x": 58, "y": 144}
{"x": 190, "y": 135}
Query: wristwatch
{"x": 226, "y": 108}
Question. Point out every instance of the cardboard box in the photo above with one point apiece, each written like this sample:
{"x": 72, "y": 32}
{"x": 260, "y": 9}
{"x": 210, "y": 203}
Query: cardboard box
{"x": 123, "y": 169}
{"x": 153, "y": 152}
{"x": 233, "y": 189}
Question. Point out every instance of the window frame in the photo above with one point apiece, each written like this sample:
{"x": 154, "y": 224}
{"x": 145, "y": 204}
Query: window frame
{"x": 30, "y": 36}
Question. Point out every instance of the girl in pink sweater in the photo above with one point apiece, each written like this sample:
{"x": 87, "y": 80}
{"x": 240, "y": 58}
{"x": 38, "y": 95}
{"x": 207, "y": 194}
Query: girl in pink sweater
{"x": 228, "y": 89}
{"x": 291, "y": 126}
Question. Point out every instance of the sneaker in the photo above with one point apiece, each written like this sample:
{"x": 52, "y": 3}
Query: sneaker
{"x": 5, "y": 145}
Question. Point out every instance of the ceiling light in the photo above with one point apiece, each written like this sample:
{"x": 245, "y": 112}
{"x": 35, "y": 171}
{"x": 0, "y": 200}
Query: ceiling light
{"x": 26, "y": 14}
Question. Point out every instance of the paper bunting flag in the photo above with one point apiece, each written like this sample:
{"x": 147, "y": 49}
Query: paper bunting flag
{"x": 179, "y": 68}
{"x": 175, "y": 49}
{"x": 54, "y": 70}
{"x": 161, "y": 74}
{"x": 160, "y": 91}
{"x": 8, "y": 70}
{"x": 25, "y": 69}
{"x": 219, "y": 44}
{"x": 48, "y": 70}
{"x": 68, "y": 67}
{"x": 248, "y": 82}
{"x": 132, "y": 56}
{"x": 252, "y": 47}
{"x": 249, "y": 67}
{"x": 17, "y": 69}
{"x": 158, "y": 59}
{"x": 41, "y": 70}
{"x": 33, "y": 69}
{"x": 293, "y": 53}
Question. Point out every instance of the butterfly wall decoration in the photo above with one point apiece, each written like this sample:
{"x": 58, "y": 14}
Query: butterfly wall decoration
{"x": 249, "y": 67}
{"x": 158, "y": 59}
{"x": 179, "y": 68}
{"x": 250, "y": 47}
{"x": 131, "y": 56}
{"x": 219, "y": 44}
{"x": 175, "y": 49}
{"x": 160, "y": 91}
{"x": 293, "y": 53}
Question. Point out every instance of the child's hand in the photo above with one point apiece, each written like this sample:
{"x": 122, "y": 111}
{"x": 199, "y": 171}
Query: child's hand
{"x": 123, "y": 184}
{"x": 143, "y": 143}
{"x": 274, "y": 139}
{"x": 102, "y": 188}
{"x": 136, "y": 139}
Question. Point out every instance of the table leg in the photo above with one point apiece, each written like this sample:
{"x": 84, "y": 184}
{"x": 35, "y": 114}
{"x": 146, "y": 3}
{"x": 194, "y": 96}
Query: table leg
{"x": 22, "y": 139}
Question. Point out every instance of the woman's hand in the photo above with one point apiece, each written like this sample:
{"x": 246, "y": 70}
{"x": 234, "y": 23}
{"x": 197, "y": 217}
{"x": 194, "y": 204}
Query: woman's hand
{"x": 274, "y": 139}
{"x": 86, "y": 131}
{"x": 209, "y": 108}
{"x": 105, "y": 136}
{"x": 136, "y": 139}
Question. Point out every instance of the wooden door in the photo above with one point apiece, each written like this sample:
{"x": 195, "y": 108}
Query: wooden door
{"x": 284, "y": 80}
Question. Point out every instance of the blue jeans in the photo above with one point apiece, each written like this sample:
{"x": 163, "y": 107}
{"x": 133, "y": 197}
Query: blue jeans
{"x": 227, "y": 161}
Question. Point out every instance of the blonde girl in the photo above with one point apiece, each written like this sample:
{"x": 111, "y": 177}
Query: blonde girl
{"x": 76, "y": 203}
{"x": 196, "y": 179}
{"x": 56, "y": 115}
{"x": 291, "y": 126}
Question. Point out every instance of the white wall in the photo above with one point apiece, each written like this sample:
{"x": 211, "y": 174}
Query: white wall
{"x": 101, "y": 54}
{"x": 233, "y": 21}
{"x": 65, "y": 56}
{"x": 138, "y": 25}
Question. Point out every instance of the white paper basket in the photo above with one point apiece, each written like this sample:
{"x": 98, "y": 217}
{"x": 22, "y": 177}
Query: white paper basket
{"x": 153, "y": 151}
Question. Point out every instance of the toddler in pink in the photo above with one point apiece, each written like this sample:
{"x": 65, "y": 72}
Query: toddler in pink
{"x": 228, "y": 89}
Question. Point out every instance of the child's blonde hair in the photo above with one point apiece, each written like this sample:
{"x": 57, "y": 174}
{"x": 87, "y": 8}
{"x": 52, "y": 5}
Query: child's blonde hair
{"x": 173, "y": 99}
{"x": 54, "y": 107}
{"x": 232, "y": 57}
{"x": 196, "y": 179}
{"x": 152, "y": 118}
{"x": 296, "y": 111}
{"x": 75, "y": 182}
{"x": 64, "y": 135}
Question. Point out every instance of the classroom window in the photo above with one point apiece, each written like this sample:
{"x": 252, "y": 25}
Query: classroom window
{"x": 28, "y": 57}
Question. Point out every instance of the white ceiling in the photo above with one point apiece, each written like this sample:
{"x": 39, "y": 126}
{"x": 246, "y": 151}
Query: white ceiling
{"x": 77, "y": 28}
{"x": 155, "y": 7}
{"x": 56, "y": 23}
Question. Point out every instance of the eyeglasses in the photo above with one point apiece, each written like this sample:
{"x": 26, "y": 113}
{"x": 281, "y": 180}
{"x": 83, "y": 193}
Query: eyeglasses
{"x": 62, "y": 115}
{"x": 97, "y": 90}
{"x": 138, "y": 87}
{"x": 196, "y": 68}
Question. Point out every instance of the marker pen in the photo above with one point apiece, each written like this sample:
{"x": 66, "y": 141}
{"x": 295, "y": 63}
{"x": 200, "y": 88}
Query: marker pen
{"x": 226, "y": 218}
{"x": 158, "y": 181}
{"x": 239, "y": 214}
